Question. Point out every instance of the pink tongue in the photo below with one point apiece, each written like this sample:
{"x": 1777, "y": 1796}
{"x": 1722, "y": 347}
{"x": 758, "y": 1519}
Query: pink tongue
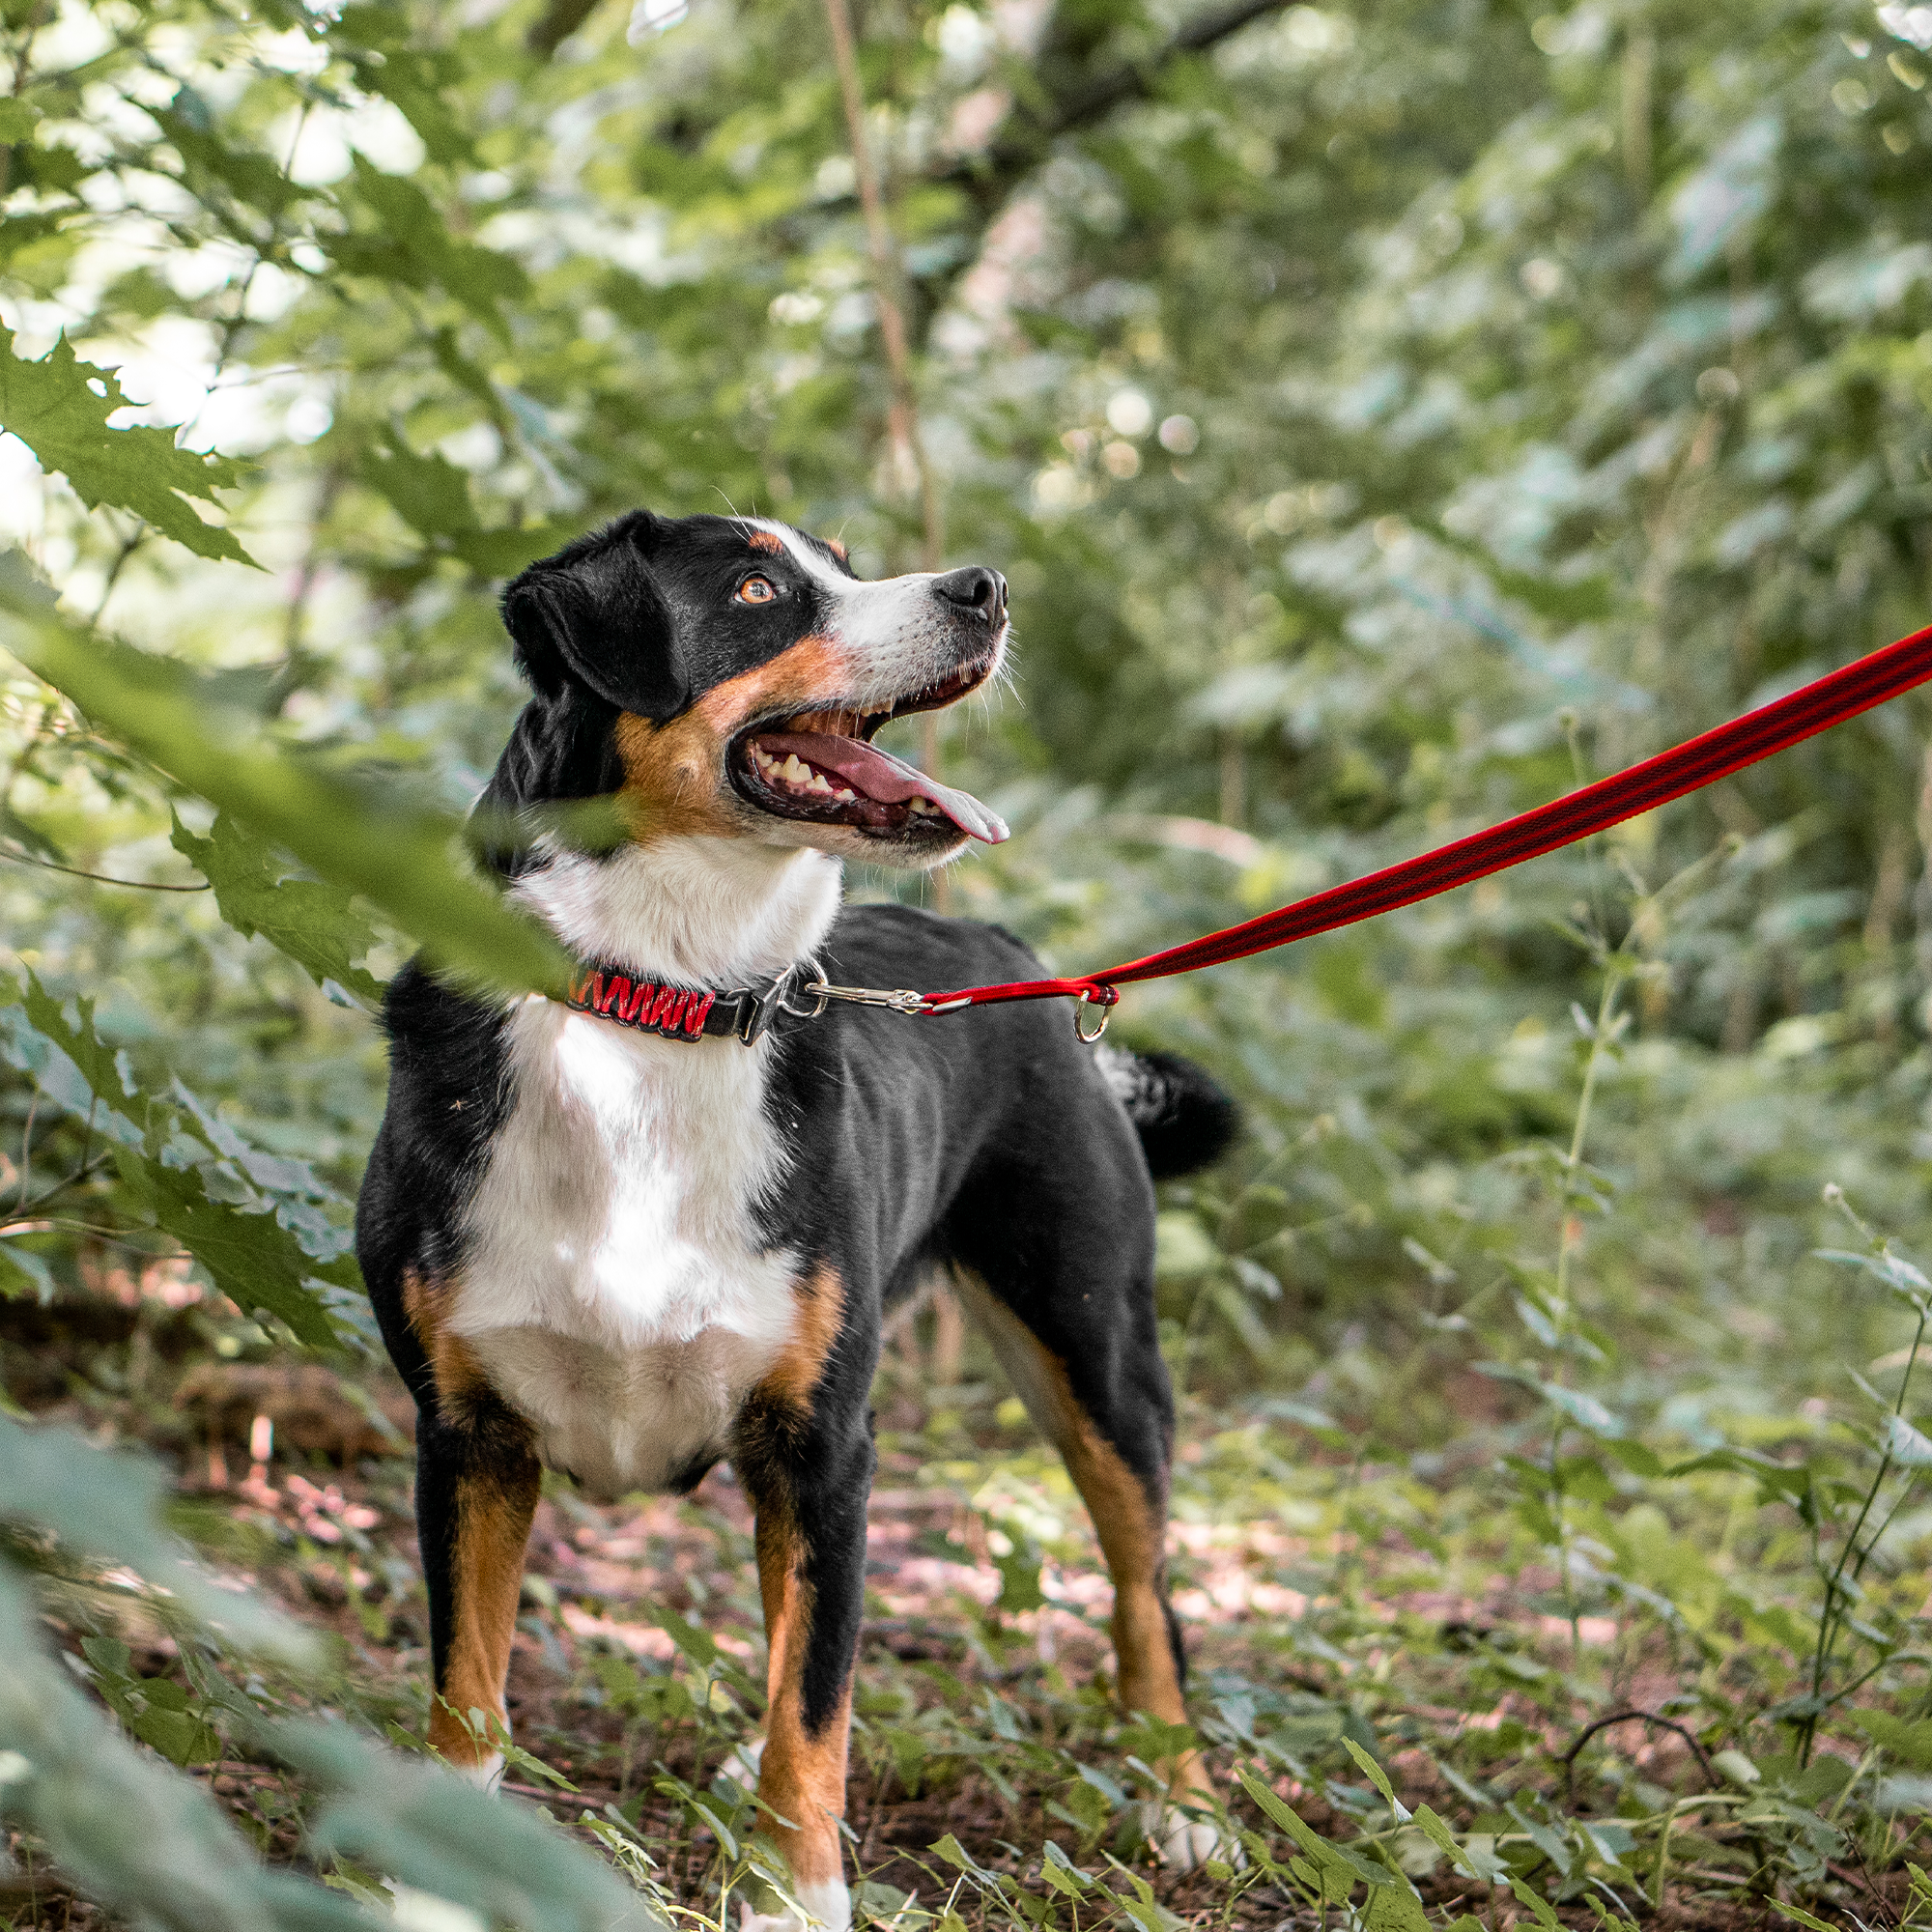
{"x": 890, "y": 780}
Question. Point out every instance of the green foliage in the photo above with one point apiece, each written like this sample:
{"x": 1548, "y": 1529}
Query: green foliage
{"x": 166, "y": 1154}
{"x": 59, "y": 407}
{"x": 403, "y": 862}
{"x": 1385, "y": 416}
{"x": 155, "y": 1845}
{"x": 315, "y": 923}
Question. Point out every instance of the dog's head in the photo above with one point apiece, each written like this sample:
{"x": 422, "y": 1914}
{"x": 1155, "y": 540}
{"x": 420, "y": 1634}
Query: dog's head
{"x": 748, "y": 669}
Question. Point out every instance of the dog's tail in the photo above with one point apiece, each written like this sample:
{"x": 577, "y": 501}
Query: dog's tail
{"x": 1182, "y": 1116}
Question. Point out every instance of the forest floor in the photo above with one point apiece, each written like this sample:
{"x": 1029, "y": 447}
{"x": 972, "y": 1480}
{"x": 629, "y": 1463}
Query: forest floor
{"x": 1323, "y": 1598}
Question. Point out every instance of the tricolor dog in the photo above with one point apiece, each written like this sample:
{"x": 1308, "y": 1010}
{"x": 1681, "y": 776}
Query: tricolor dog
{"x": 631, "y": 1232}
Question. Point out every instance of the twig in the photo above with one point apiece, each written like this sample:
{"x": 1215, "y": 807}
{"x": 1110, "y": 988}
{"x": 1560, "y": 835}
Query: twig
{"x": 903, "y": 416}
{"x": 902, "y": 409}
{"x": 100, "y": 878}
{"x": 1633, "y": 1717}
{"x": 27, "y": 1150}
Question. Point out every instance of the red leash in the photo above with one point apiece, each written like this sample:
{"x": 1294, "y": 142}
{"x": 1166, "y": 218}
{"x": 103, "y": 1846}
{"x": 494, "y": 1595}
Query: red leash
{"x": 1688, "y": 767}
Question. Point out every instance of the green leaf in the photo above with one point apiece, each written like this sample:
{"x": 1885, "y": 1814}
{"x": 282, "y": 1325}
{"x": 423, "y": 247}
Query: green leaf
{"x": 1537, "y": 1905}
{"x": 1394, "y": 1908}
{"x": 209, "y": 162}
{"x": 1471, "y": 1858}
{"x": 1906, "y": 1445}
{"x": 1896, "y": 1272}
{"x": 180, "y": 1736}
{"x": 37, "y": 1277}
{"x": 313, "y": 922}
{"x": 104, "y": 1070}
{"x": 382, "y": 44}
{"x": 1019, "y": 1580}
{"x": 504, "y": 553}
{"x": 253, "y": 1259}
{"x": 409, "y": 242}
{"x": 59, "y": 407}
{"x": 1376, "y": 1776}
{"x": 404, "y": 863}
{"x": 17, "y": 118}
{"x": 107, "y": 1506}
{"x": 126, "y": 1828}
{"x": 1798, "y": 1915}
{"x": 435, "y": 1830}
{"x": 1334, "y": 1861}
{"x": 430, "y": 494}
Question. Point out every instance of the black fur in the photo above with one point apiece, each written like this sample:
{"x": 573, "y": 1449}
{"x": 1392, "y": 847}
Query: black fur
{"x": 1185, "y": 1118}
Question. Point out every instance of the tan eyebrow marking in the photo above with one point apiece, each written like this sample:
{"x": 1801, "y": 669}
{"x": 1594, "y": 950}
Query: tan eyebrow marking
{"x": 764, "y": 540}
{"x": 837, "y": 548}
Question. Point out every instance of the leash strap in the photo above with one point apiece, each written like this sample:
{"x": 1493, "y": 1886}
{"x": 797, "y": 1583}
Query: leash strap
{"x": 1773, "y": 728}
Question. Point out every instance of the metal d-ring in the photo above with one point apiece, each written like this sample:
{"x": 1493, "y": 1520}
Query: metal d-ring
{"x": 1106, "y": 1013}
{"x": 813, "y": 988}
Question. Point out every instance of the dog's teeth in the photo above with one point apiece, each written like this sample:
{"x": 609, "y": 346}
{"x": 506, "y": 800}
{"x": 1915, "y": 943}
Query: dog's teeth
{"x": 845, "y": 795}
{"x": 792, "y": 770}
{"x": 818, "y": 783}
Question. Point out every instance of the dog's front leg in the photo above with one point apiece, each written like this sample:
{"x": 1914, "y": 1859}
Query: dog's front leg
{"x": 804, "y": 1455}
{"x": 477, "y": 1483}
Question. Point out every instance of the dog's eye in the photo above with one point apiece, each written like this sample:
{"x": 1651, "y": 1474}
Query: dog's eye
{"x": 757, "y": 591}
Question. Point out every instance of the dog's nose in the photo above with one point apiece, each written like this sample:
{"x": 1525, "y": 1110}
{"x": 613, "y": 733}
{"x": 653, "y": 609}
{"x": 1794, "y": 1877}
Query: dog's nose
{"x": 974, "y": 588}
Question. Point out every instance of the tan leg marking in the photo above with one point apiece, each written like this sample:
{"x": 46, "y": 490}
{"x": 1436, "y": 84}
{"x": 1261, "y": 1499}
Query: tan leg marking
{"x": 493, "y": 1525}
{"x": 494, "y": 1511}
{"x": 1131, "y": 1528}
{"x": 453, "y": 1364}
{"x": 802, "y": 1776}
{"x": 791, "y": 1381}
{"x": 675, "y": 774}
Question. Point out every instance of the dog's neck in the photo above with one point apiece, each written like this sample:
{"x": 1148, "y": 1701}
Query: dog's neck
{"x": 694, "y": 911}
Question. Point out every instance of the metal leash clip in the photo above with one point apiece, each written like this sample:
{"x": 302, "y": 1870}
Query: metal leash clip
{"x": 899, "y": 1002}
{"x": 820, "y": 993}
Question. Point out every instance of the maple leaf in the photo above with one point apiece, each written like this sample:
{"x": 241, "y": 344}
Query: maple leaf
{"x": 59, "y": 407}
{"x": 314, "y": 923}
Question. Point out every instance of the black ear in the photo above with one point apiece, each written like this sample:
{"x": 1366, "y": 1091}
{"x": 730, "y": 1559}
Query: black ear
{"x": 593, "y": 615}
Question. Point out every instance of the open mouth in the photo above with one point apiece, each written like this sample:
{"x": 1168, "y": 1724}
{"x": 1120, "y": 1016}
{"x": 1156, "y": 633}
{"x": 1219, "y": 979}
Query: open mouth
{"x": 822, "y": 766}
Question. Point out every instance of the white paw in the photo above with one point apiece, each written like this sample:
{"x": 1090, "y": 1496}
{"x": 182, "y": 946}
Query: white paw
{"x": 487, "y": 1775}
{"x": 828, "y": 1905}
{"x": 424, "y": 1912}
{"x": 1185, "y": 1844}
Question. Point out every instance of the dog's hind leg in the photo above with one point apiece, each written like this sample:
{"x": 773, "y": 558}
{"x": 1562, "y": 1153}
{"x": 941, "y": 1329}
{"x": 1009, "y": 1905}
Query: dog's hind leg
{"x": 804, "y": 1452}
{"x": 1083, "y": 1355}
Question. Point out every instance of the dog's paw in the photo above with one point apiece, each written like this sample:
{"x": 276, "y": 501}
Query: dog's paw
{"x": 1185, "y": 1844}
{"x": 827, "y": 1906}
{"x": 486, "y": 1776}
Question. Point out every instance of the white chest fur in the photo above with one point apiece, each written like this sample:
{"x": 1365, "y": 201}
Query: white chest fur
{"x": 615, "y": 1287}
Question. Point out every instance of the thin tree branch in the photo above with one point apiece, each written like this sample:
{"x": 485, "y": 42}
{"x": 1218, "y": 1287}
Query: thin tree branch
{"x": 902, "y": 413}
{"x": 100, "y": 878}
{"x": 555, "y": 24}
{"x": 888, "y": 283}
{"x": 991, "y": 175}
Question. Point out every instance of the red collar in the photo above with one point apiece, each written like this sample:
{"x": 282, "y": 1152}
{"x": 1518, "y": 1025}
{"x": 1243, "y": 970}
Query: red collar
{"x": 678, "y": 1012}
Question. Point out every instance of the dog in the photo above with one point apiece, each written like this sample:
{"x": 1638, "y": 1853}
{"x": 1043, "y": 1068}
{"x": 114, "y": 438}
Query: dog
{"x": 657, "y": 1223}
